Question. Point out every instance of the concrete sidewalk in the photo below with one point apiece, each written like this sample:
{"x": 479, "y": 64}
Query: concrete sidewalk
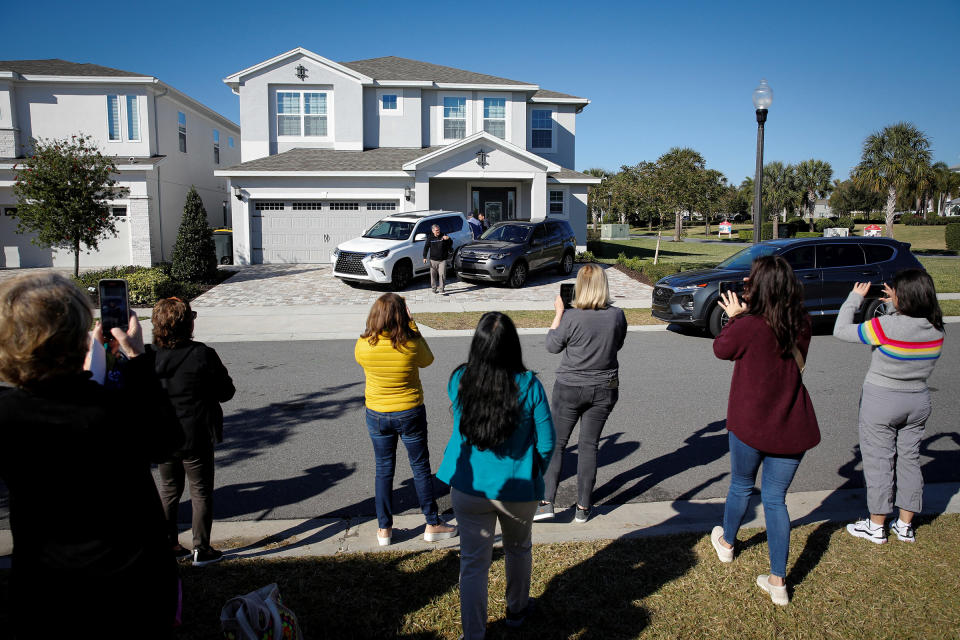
{"x": 329, "y": 536}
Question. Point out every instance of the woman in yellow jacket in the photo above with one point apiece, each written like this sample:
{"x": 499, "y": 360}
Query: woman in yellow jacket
{"x": 392, "y": 352}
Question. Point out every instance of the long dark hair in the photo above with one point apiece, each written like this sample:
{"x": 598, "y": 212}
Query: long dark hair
{"x": 917, "y": 297}
{"x": 487, "y": 393}
{"x": 774, "y": 293}
{"x": 389, "y": 316}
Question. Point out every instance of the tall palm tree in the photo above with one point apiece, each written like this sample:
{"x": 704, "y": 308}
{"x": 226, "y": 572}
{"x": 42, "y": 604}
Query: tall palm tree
{"x": 779, "y": 190}
{"x": 945, "y": 184}
{"x": 746, "y": 192}
{"x": 892, "y": 161}
{"x": 813, "y": 179}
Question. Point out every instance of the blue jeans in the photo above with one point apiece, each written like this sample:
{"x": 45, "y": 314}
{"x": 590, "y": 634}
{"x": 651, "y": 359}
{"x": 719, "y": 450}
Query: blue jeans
{"x": 411, "y": 427}
{"x": 778, "y": 472}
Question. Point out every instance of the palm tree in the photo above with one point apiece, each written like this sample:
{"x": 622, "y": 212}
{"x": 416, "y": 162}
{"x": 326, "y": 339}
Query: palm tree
{"x": 746, "y": 192}
{"x": 892, "y": 161}
{"x": 779, "y": 190}
{"x": 945, "y": 184}
{"x": 813, "y": 179}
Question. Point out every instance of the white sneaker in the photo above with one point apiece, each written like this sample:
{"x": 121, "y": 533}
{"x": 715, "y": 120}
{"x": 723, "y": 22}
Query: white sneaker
{"x": 723, "y": 553}
{"x": 777, "y": 594}
{"x": 904, "y": 532}
{"x": 867, "y": 529}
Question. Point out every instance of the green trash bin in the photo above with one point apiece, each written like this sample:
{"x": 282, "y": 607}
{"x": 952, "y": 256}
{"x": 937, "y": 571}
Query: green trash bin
{"x": 223, "y": 239}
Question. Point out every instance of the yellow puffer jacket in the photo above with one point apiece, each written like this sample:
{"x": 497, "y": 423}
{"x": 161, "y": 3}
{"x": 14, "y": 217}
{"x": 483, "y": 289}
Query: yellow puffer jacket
{"x": 393, "y": 376}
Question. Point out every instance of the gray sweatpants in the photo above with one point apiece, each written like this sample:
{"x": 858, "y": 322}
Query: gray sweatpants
{"x": 438, "y": 274}
{"x": 477, "y": 519}
{"x": 891, "y": 428}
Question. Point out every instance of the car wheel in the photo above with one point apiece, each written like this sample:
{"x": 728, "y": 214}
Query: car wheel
{"x": 566, "y": 263}
{"x": 874, "y": 309}
{"x": 402, "y": 274}
{"x": 718, "y": 320}
{"x": 518, "y": 275}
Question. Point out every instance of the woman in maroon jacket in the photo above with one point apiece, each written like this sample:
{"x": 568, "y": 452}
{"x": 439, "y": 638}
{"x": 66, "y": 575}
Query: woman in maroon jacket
{"x": 770, "y": 417}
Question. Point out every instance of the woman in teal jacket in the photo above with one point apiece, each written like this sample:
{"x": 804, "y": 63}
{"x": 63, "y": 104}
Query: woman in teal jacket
{"x": 501, "y": 444}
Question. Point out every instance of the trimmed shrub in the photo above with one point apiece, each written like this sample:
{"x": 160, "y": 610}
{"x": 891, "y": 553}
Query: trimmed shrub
{"x": 952, "y": 235}
{"x": 800, "y": 224}
{"x": 586, "y": 256}
{"x": 809, "y": 234}
{"x": 911, "y": 220}
{"x": 194, "y": 254}
{"x": 845, "y": 223}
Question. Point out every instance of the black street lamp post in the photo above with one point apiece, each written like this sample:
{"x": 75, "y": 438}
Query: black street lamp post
{"x": 762, "y": 97}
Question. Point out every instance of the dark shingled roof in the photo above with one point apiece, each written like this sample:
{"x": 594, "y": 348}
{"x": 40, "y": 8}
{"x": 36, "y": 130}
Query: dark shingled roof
{"x": 300, "y": 159}
{"x": 394, "y": 68}
{"x": 569, "y": 174}
{"x": 543, "y": 93}
{"x": 57, "y": 67}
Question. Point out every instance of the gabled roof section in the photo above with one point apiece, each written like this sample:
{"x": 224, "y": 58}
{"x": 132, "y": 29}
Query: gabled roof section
{"x": 234, "y": 80}
{"x": 58, "y": 67}
{"x": 556, "y": 97}
{"x": 392, "y": 68}
{"x": 492, "y": 140}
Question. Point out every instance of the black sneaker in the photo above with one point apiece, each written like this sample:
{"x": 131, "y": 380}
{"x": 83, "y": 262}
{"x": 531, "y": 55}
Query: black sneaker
{"x": 515, "y": 620}
{"x": 544, "y": 511}
{"x": 180, "y": 552}
{"x": 203, "y": 557}
{"x": 582, "y": 515}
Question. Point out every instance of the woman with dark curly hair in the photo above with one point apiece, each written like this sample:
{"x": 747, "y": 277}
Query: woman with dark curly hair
{"x": 196, "y": 382}
{"x": 770, "y": 417}
{"x": 500, "y": 447}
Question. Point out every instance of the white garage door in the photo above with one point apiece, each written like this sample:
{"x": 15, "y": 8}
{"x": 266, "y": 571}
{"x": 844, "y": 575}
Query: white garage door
{"x": 307, "y": 231}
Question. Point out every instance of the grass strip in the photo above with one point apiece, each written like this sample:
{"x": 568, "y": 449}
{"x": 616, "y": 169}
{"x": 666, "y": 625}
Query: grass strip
{"x": 658, "y": 587}
{"x": 524, "y": 319}
{"x": 944, "y": 271}
{"x": 950, "y": 307}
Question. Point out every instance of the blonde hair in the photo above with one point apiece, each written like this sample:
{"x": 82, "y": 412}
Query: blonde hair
{"x": 593, "y": 291}
{"x": 44, "y": 325}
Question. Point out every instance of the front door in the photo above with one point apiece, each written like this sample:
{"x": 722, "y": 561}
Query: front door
{"x": 497, "y": 204}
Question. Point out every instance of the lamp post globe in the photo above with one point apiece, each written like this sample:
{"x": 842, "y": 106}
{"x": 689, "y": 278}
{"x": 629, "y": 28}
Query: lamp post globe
{"x": 762, "y": 97}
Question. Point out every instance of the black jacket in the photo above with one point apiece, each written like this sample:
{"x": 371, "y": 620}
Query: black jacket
{"x": 88, "y": 528}
{"x": 438, "y": 248}
{"x": 196, "y": 382}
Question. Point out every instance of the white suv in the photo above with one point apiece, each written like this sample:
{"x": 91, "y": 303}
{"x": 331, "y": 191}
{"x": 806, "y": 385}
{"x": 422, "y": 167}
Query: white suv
{"x": 391, "y": 251}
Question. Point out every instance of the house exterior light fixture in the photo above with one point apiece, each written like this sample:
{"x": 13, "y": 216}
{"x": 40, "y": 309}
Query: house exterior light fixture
{"x": 482, "y": 158}
{"x": 301, "y": 72}
{"x": 408, "y": 193}
{"x": 236, "y": 193}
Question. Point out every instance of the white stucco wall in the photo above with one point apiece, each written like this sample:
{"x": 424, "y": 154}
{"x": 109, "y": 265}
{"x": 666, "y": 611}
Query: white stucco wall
{"x": 564, "y": 131}
{"x": 258, "y": 108}
{"x": 391, "y": 130}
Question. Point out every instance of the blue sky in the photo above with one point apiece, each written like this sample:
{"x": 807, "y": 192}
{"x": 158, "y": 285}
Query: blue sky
{"x": 660, "y": 74}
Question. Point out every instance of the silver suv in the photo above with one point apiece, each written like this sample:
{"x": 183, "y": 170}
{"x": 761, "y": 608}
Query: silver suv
{"x": 391, "y": 251}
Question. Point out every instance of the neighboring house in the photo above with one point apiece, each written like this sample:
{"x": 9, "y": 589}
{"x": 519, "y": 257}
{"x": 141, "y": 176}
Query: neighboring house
{"x": 821, "y": 209}
{"x": 163, "y": 142}
{"x": 329, "y": 148}
{"x": 951, "y": 207}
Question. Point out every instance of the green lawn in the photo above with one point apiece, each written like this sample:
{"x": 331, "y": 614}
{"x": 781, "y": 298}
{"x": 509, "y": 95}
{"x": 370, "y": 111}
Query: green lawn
{"x": 944, "y": 271}
{"x": 920, "y": 238}
{"x": 708, "y": 253}
{"x": 950, "y": 307}
{"x": 696, "y": 231}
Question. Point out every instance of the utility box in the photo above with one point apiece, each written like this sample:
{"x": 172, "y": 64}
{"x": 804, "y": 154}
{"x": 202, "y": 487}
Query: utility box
{"x": 614, "y": 231}
{"x": 223, "y": 239}
{"x": 836, "y": 232}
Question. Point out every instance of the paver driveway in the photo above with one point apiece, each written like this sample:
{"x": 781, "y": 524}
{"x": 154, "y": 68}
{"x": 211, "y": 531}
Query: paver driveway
{"x": 307, "y": 284}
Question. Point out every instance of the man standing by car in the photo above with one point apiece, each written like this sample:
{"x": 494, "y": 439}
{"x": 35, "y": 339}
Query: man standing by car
{"x": 475, "y": 226}
{"x": 483, "y": 222}
{"x": 438, "y": 247}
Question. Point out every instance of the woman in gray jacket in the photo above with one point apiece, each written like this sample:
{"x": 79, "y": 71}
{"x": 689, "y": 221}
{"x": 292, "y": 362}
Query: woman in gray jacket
{"x": 586, "y": 389}
{"x": 895, "y": 402}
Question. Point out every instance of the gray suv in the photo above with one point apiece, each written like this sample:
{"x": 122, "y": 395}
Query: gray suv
{"x": 509, "y": 251}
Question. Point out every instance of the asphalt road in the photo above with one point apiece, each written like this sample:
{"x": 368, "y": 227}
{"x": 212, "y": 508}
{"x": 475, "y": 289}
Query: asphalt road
{"x": 296, "y": 444}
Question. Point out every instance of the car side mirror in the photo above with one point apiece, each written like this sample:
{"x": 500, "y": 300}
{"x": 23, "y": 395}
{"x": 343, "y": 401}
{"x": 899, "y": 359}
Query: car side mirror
{"x": 420, "y": 237}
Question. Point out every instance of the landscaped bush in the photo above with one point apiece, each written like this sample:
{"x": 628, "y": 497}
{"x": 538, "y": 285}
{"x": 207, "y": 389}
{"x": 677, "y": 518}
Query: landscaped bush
{"x": 845, "y": 223}
{"x": 194, "y": 254}
{"x": 952, "y": 235}
{"x": 785, "y": 230}
{"x": 809, "y": 234}
{"x": 145, "y": 285}
{"x": 586, "y": 256}
{"x": 653, "y": 272}
{"x": 800, "y": 224}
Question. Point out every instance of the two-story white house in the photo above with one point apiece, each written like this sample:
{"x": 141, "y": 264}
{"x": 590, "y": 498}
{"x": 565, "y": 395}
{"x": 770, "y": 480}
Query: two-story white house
{"x": 163, "y": 141}
{"x": 329, "y": 148}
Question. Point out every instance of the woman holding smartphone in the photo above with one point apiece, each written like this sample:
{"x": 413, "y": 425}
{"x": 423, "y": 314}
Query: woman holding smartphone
{"x": 895, "y": 401}
{"x": 502, "y": 440}
{"x": 392, "y": 351}
{"x": 590, "y": 334}
{"x": 770, "y": 417}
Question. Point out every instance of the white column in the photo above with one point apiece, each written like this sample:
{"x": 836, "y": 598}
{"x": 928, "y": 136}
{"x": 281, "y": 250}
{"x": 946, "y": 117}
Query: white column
{"x": 421, "y": 199}
{"x": 538, "y": 196}
{"x": 138, "y": 217}
{"x": 240, "y": 218}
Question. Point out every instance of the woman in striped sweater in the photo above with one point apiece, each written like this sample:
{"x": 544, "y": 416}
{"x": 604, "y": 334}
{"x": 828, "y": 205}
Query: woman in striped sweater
{"x": 895, "y": 402}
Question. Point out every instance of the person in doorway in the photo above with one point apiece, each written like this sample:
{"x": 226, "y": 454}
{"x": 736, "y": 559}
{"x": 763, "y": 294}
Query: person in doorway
{"x": 586, "y": 390}
{"x": 392, "y": 351}
{"x": 196, "y": 383}
{"x": 502, "y": 441}
{"x": 475, "y": 227}
{"x": 770, "y": 416}
{"x": 437, "y": 249}
{"x": 895, "y": 401}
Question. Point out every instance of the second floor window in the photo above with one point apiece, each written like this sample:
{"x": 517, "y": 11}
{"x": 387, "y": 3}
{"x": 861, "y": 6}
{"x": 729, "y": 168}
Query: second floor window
{"x": 389, "y": 102}
{"x": 133, "y": 119}
{"x": 454, "y": 118}
{"x": 230, "y": 141}
{"x": 182, "y": 131}
{"x": 216, "y": 147}
{"x": 301, "y": 114}
{"x": 495, "y": 116}
{"x": 541, "y": 125}
{"x": 113, "y": 118}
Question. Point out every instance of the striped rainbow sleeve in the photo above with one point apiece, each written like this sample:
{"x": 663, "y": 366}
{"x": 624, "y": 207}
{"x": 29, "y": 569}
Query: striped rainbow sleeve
{"x": 872, "y": 333}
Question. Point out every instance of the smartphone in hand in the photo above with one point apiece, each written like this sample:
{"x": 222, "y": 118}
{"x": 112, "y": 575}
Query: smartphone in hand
{"x": 733, "y": 286}
{"x": 567, "y": 292}
{"x": 114, "y": 306}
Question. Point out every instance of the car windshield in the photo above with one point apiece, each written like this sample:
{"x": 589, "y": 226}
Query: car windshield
{"x": 507, "y": 233}
{"x": 742, "y": 260}
{"x": 390, "y": 230}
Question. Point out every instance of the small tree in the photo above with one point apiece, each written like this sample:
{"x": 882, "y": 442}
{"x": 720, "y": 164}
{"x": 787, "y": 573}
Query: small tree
{"x": 63, "y": 190}
{"x": 194, "y": 254}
